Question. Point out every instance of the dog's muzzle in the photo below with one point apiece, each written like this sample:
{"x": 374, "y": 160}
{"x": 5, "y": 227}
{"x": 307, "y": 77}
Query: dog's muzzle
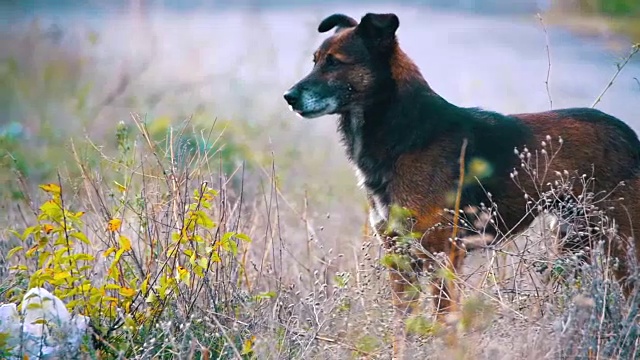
{"x": 292, "y": 97}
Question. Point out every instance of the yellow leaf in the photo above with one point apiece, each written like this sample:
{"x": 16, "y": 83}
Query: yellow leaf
{"x": 247, "y": 347}
{"x": 145, "y": 284}
{"x": 51, "y": 210}
{"x": 120, "y": 187}
{"x": 182, "y": 271}
{"x": 183, "y": 274}
{"x": 109, "y": 251}
{"x": 127, "y": 292}
{"x": 61, "y": 275}
{"x": 118, "y": 255}
{"x": 31, "y": 250}
{"x": 125, "y": 243}
{"x": 48, "y": 228}
{"x": 112, "y": 287}
{"x": 79, "y": 213}
{"x": 51, "y": 188}
{"x": 114, "y": 225}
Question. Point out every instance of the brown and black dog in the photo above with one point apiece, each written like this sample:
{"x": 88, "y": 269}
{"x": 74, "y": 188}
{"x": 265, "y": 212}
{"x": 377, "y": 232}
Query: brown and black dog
{"x": 405, "y": 142}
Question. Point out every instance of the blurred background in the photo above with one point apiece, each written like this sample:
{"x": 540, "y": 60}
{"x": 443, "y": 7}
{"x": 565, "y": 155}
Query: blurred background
{"x": 208, "y": 76}
{"x": 76, "y": 69}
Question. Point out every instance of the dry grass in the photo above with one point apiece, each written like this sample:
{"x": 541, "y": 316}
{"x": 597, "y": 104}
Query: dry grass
{"x": 286, "y": 296}
{"x": 309, "y": 285}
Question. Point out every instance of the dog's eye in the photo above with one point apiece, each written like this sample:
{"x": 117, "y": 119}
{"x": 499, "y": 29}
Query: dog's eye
{"x": 331, "y": 60}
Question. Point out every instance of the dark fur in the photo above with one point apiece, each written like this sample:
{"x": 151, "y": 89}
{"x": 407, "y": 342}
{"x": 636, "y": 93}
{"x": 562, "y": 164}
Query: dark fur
{"x": 405, "y": 139}
{"x": 336, "y": 20}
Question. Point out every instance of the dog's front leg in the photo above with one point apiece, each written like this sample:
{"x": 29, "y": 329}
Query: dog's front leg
{"x": 443, "y": 290}
{"x": 403, "y": 275}
{"x": 405, "y": 292}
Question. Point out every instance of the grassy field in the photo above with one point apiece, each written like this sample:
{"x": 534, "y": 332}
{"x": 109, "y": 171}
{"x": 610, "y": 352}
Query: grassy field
{"x": 187, "y": 235}
{"x": 599, "y": 17}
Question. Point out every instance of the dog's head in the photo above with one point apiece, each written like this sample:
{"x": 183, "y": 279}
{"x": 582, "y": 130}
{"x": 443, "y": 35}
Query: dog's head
{"x": 348, "y": 66}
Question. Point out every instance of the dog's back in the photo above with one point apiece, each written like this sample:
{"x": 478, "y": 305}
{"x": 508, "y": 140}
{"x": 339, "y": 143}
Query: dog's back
{"x": 581, "y": 141}
{"x": 597, "y": 138}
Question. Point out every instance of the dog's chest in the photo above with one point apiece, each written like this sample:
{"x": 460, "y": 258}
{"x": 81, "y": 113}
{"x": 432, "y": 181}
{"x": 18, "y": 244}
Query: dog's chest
{"x": 371, "y": 171}
{"x": 356, "y": 128}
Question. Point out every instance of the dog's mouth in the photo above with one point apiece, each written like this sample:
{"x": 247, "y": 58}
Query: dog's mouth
{"x": 309, "y": 114}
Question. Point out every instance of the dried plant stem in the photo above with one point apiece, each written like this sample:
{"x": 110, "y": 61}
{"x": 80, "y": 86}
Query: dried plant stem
{"x": 454, "y": 253}
{"x": 226, "y": 336}
{"x": 546, "y": 81}
{"x": 625, "y": 61}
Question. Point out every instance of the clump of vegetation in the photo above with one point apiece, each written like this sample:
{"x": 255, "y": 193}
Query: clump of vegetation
{"x": 129, "y": 262}
{"x": 620, "y": 16}
{"x": 609, "y": 7}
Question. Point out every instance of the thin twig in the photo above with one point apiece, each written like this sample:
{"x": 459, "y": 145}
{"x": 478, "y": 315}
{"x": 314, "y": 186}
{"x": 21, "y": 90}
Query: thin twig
{"x": 546, "y": 82}
{"x": 226, "y": 336}
{"x": 634, "y": 50}
{"x": 454, "y": 253}
{"x": 339, "y": 342}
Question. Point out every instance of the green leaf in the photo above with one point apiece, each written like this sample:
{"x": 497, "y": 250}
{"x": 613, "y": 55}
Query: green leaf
{"x": 243, "y": 237}
{"x": 80, "y": 236}
{"x": 202, "y": 262}
{"x": 28, "y": 231}
{"x": 130, "y": 322}
{"x": 16, "y": 234}
{"x": 112, "y": 287}
{"x": 228, "y": 244}
{"x": 83, "y": 257}
{"x": 396, "y": 262}
{"x": 60, "y": 241}
{"x": 43, "y": 257}
{"x": 446, "y": 274}
{"x": 151, "y": 298}
{"x": 204, "y": 220}
{"x": 57, "y": 255}
{"x": 11, "y": 252}
{"x": 118, "y": 255}
{"x": 198, "y": 271}
{"x": 419, "y": 325}
{"x": 51, "y": 210}
{"x": 265, "y": 295}
{"x": 34, "y": 306}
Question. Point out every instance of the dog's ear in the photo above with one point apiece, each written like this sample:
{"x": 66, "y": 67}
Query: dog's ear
{"x": 340, "y": 21}
{"x": 380, "y": 28}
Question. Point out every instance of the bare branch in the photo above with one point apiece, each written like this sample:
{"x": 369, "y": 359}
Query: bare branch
{"x": 634, "y": 50}
{"x": 546, "y": 81}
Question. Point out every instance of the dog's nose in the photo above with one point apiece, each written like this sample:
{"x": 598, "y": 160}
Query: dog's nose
{"x": 291, "y": 97}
